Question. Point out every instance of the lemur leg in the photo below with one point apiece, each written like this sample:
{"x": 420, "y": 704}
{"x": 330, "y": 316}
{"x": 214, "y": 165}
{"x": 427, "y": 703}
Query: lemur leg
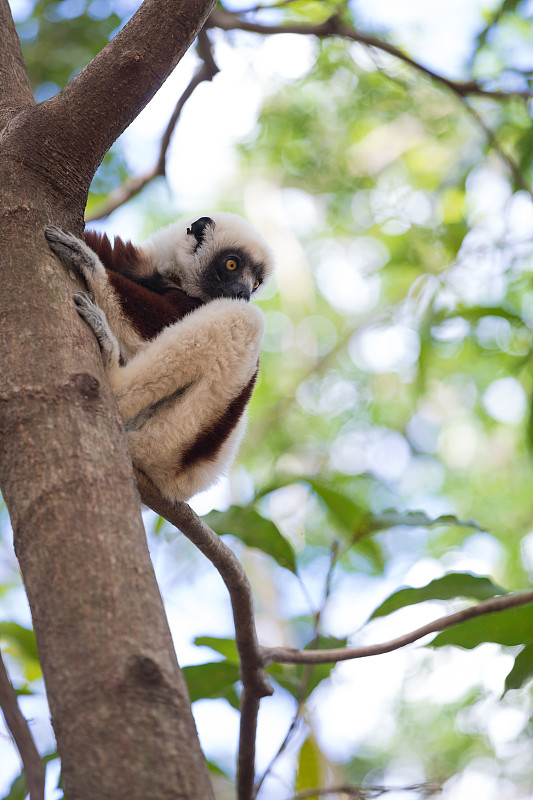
{"x": 183, "y": 397}
{"x": 76, "y": 255}
{"x": 96, "y": 319}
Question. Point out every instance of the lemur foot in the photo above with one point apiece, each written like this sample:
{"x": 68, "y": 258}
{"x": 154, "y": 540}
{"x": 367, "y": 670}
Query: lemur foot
{"x": 97, "y": 321}
{"x": 73, "y": 252}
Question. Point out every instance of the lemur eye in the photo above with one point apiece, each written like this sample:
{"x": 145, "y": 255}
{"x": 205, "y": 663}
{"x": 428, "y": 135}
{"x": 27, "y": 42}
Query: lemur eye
{"x": 256, "y": 284}
{"x": 231, "y": 264}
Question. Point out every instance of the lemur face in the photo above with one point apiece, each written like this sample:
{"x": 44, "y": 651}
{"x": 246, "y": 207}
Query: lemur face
{"x": 219, "y": 256}
{"x": 233, "y": 272}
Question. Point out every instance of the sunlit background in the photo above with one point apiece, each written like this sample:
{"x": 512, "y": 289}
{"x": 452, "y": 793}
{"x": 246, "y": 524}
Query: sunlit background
{"x": 396, "y": 374}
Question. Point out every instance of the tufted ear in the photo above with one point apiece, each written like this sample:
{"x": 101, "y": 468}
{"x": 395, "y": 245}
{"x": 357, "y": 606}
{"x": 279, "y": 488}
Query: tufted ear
{"x": 197, "y": 228}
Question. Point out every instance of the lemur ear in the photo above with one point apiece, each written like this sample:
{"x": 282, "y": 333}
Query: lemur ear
{"x": 197, "y": 228}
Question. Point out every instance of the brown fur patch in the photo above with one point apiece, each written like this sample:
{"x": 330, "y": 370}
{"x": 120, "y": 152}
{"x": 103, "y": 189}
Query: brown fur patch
{"x": 121, "y": 256}
{"x": 149, "y": 312}
{"x": 207, "y": 446}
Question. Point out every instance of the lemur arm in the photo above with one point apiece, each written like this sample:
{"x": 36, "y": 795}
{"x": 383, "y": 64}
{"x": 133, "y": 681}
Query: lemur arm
{"x": 76, "y": 255}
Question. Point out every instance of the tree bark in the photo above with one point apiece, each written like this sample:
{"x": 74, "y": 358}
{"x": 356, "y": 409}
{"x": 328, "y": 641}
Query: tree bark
{"x": 118, "y": 702}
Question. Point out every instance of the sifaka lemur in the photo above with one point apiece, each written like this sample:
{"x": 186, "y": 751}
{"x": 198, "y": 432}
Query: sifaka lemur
{"x": 179, "y": 341}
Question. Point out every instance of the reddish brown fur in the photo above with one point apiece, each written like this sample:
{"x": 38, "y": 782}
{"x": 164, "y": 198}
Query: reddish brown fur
{"x": 148, "y": 311}
{"x": 208, "y": 444}
{"x": 121, "y": 256}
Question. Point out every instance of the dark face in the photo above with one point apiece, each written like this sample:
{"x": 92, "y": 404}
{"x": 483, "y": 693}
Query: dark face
{"x": 232, "y": 273}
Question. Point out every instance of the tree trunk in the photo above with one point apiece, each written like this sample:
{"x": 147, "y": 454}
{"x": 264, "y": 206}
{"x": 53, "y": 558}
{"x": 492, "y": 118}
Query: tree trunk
{"x": 119, "y": 705}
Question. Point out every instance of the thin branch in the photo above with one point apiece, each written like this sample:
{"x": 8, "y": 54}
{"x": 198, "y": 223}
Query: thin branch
{"x": 287, "y": 655}
{"x": 247, "y": 737}
{"x": 498, "y": 148}
{"x": 231, "y": 571}
{"x": 334, "y": 26}
{"x": 20, "y": 731}
{"x": 134, "y": 186}
{"x": 15, "y": 88}
{"x": 255, "y": 682}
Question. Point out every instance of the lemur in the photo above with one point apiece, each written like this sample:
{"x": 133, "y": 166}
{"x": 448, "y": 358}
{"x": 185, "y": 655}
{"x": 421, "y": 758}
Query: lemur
{"x": 179, "y": 341}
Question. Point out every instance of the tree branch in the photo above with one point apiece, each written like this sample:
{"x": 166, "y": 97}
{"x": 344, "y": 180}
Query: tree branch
{"x": 15, "y": 88}
{"x": 20, "y": 731}
{"x": 225, "y": 20}
{"x": 231, "y": 571}
{"x": 134, "y": 186}
{"x": 255, "y": 682}
{"x": 288, "y": 655}
{"x": 247, "y": 737}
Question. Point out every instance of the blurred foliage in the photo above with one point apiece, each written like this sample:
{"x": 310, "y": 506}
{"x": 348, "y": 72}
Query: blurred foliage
{"x": 387, "y": 466}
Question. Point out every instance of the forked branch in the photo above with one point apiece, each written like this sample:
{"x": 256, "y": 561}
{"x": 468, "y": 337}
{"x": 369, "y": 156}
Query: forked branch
{"x": 15, "y": 88}
{"x": 134, "y": 186}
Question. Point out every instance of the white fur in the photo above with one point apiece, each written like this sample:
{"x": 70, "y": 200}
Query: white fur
{"x": 216, "y": 350}
{"x": 172, "y": 249}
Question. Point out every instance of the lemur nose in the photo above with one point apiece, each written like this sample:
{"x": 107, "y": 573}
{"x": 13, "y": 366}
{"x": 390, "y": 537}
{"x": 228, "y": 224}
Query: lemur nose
{"x": 240, "y": 292}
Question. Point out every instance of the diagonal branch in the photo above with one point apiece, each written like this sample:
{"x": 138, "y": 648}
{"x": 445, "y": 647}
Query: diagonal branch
{"x": 134, "y": 186}
{"x": 334, "y": 26}
{"x": 15, "y": 89}
{"x": 20, "y": 731}
{"x": 255, "y": 682}
{"x": 288, "y": 655}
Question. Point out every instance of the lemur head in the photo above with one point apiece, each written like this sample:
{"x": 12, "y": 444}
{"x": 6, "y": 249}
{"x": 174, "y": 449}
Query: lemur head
{"x": 218, "y": 256}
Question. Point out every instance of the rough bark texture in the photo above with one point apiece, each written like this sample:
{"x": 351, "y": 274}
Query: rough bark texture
{"x": 119, "y": 705}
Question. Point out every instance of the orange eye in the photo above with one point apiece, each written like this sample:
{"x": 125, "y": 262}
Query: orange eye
{"x": 256, "y": 284}
{"x": 231, "y": 264}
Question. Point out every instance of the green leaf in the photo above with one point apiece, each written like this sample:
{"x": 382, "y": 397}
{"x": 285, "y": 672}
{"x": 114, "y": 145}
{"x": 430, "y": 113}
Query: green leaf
{"x": 226, "y": 647}
{"x": 344, "y": 509}
{"x": 358, "y": 521}
{"x": 212, "y": 680}
{"x": 18, "y": 790}
{"x": 23, "y": 646}
{"x": 455, "y": 584}
{"x": 510, "y": 627}
{"x": 217, "y": 771}
{"x": 254, "y": 531}
{"x": 159, "y": 524}
{"x": 390, "y": 518}
{"x": 309, "y": 773}
{"x": 22, "y": 638}
{"x": 522, "y": 670}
